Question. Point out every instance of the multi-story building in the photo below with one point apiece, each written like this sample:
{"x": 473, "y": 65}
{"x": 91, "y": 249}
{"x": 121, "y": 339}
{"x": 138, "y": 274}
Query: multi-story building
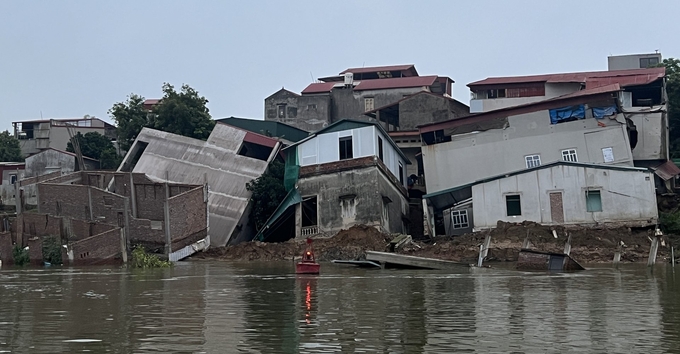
{"x": 349, "y": 95}
{"x": 346, "y": 174}
{"x": 37, "y": 135}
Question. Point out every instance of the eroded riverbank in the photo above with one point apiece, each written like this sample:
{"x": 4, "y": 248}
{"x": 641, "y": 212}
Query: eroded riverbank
{"x": 588, "y": 245}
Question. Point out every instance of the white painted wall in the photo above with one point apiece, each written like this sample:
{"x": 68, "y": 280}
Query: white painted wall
{"x": 625, "y": 62}
{"x": 652, "y": 135}
{"x": 471, "y": 157}
{"x": 626, "y": 196}
{"x": 561, "y": 88}
{"x": 485, "y": 105}
{"x": 325, "y": 148}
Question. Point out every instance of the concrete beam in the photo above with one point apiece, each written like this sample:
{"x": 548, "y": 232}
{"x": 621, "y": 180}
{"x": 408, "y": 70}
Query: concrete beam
{"x": 412, "y": 261}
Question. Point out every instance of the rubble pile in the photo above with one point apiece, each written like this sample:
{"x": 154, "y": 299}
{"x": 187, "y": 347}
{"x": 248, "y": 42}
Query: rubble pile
{"x": 588, "y": 245}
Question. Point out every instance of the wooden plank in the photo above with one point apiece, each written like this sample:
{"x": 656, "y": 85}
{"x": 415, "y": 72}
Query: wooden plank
{"x": 412, "y": 261}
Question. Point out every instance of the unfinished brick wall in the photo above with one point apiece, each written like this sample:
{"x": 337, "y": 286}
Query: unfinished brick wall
{"x": 74, "y": 201}
{"x": 150, "y": 199}
{"x": 187, "y": 217}
{"x": 34, "y": 180}
{"x": 142, "y": 233}
{"x": 106, "y": 206}
{"x": 6, "y": 246}
{"x": 82, "y": 229}
{"x": 101, "y": 248}
{"x": 35, "y": 250}
{"x": 40, "y": 224}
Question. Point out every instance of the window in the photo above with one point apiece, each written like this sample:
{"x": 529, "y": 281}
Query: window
{"x": 401, "y": 173}
{"x": 533, "y": 160}
{"x": 380, "y": 149}
{"x": 593, "y": 201}
{"x": 348, "y": 208}
{"x": 311, "y": 106}
{"x": 369, "y": 104}
{"x": 569, "y": 155}
{"x": 346, "y": 148}
{"x": 513, "y": 205}
{"x": 459, "y": 219}
{"x": 495, "y": 93}
{"x": 385, "y": 213}
{"x": 647, "y": 62}
{"x": 292, "y": 112}
{"x": 282, "y": 111}
{"x": 12, "y": 179}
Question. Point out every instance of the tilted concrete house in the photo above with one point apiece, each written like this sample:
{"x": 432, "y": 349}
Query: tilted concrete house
{"x": 348, "y": 173}
{"x": 230, "y": 158}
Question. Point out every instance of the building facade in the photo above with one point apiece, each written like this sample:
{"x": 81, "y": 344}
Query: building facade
{"x": 349, "y": 95}
{"x": 37, "y": 135}
{"x": 346, "y": 174}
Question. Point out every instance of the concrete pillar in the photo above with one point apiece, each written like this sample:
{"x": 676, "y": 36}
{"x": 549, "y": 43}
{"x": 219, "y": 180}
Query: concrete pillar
{"x": 89, "y": 202}
{"x": 17, "y": 198}
{"x": 123, "y": 245}
{"x": 567, "y": 246}
{"x": 133, "y": 196}
{"x": 166, "y": 218}
{"x": 653, "y": 251}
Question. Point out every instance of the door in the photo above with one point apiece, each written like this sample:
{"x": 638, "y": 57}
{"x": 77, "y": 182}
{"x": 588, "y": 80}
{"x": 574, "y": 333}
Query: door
{"x": 556, "y": 208}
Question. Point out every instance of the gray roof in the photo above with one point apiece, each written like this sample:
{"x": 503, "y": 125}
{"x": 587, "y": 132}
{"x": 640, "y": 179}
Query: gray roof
{"x": 191, "y": 161}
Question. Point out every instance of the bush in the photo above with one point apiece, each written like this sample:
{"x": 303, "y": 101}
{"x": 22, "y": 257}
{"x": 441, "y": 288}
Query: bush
{"x": 52, "y": 250}
{"x": 670, "y": 222}
{"x": 20, "y": 255}
{"x": 142, "y": 259}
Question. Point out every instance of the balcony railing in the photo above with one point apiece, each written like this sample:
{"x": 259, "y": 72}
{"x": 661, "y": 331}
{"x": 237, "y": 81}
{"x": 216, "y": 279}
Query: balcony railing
{"x": 309, "y": 230}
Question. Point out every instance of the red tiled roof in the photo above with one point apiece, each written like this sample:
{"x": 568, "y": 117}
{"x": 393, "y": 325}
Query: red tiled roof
{"x": 597, "y": 78}
{"x": 151, "y": 101}
{"x": 397, "y": 82}
{"x": 373, "y": 69}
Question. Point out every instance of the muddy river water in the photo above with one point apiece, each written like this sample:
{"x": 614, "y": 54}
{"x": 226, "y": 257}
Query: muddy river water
{"x": 218, "y": 307}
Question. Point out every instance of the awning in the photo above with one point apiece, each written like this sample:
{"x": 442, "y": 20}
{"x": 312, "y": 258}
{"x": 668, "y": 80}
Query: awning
{"x": 666, "y": 170}
{"x": 447, "y": 198}
{"x": 281, "y": 213}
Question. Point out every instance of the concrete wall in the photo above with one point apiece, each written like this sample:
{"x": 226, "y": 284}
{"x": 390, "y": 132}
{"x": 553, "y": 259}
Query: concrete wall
{"x": 426, "y": 108}
{"x": 309, "y": 112}
{"x": 652, "y": 134}
{"x": 474, "y": 156}
{"x": 627, "y": 196}
{"x": 325, "y": 148}
{"x": 366, "y": 187}
{"x": 349, "y": 104}
{"x": 485, "y": 105}
{"x": 624, "y": 62}
{"x": 561, "y": 88}
{"x": 49, "y": 161}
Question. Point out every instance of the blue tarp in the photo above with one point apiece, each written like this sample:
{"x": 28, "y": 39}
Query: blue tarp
{"x": 601, "y": 112}
{"x": 567, "y": 113}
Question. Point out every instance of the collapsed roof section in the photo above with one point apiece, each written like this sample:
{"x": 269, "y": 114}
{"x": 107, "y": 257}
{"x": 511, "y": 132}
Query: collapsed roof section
{"x": 229, "y": 159}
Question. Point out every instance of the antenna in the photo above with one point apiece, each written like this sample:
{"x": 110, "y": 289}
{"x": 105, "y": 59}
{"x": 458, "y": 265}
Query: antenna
{"x": 41, "y": 115}
{"x": 312, "y": 76}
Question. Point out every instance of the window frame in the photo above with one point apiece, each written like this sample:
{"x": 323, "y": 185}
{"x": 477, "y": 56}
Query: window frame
{"x": 281, "y": 108}
{"x": 463, "y": 221}
{"x": 533, "y": 158}
{"x": 401, "y": 173}
{"x": 380, "y": 149}
{"x": 369, "y": 107}
{"x": 591, "y": 193}
{"x": 343, "y": 147}
{"x": 569, "y": 153}
{"x": 519, "y": 201}
{"x": 13, "y": 178}
{"x": 649, "y": 62}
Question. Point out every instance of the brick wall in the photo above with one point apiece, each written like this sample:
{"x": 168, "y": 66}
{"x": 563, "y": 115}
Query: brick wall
{"x": 101, "y": 248}
{"x": 150, "y": 199}
{"x": 73, "y": 201}
{"x": 34, "y": 180}
{"x": 82, "y": 229}
{"x": 6, "y": 246}
{"x": 187, "y": 217}
{"x": 35, "y": 250}
{"x": 141, "y": 233}
{"x": 40, "y": 225}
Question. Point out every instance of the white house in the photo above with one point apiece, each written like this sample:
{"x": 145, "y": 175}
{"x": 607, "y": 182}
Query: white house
{"x": 348, "y": 173}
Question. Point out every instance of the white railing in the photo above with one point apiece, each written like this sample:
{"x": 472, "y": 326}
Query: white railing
{"x": 309, "y": 230}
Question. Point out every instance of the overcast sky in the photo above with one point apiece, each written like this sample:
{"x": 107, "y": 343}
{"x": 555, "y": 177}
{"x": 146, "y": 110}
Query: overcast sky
{"x": 66, "y": 59}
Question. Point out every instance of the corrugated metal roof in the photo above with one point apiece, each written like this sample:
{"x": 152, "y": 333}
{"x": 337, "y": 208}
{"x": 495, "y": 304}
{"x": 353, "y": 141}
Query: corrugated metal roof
{"x": 319, "y": 87}
{"x": 623, "y": 77}
{"x": 277, "y": 129}
{"x": 666, "y": 170}
{"x": 396, "y": 82}
{"x": 190, "y": 161}
{"x": 372, "y": 69}
{"x": 519, "y": 109}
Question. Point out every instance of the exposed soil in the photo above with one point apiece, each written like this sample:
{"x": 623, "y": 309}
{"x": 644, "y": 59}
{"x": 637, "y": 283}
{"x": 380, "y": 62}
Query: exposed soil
{"x": 588, "y": 245}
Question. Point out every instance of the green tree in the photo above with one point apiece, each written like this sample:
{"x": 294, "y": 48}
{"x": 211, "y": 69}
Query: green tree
{"x": 673, "y": 90}
{"x": 268, "y": 192}
{"x": 183, "y": 113}
{"x": 98, "y": 147}
{"x": 10, "y": 150}
{"x": 130, "y": 117}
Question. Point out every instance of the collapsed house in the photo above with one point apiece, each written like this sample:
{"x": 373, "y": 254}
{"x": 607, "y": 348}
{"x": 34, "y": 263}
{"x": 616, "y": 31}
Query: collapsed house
{"x": 230, "y": 158}
{"x": 603, "y": 119}
{"x": 348, "y": 173}
{"x": 99, "y": 216}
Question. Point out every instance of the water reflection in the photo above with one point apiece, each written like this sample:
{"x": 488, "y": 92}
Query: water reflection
{"x": 265, "y": 308}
